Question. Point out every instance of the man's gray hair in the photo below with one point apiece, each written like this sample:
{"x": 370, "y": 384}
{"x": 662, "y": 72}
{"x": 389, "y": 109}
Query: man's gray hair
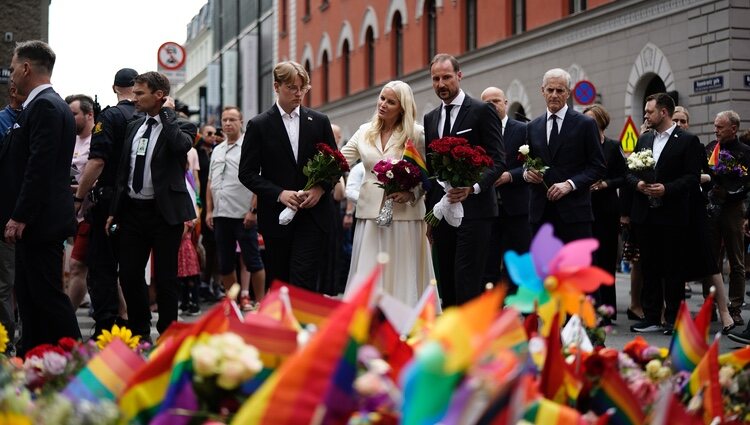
{"x": 556, "y": 73}
{"x": 733, "y": 117}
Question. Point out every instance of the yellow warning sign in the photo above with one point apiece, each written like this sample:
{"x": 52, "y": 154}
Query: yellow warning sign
{"x": 629, "y": 136}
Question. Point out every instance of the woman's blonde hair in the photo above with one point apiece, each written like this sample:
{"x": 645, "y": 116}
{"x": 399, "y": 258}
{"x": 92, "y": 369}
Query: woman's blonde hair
{"x": 404, "y": 128}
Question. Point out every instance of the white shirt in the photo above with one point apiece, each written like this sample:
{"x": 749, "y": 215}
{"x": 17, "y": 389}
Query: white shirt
{"x": 36, "y": 91}
{"x": 660, "y": 140}
{"x": 147, "y": 192}
{"x": 291, "y": 122}
{"x": 504, "y": 121}
{"x": 456, "y": 102}
{"x": 560, "y": 117}
{"x": 230, "y": 197}
{"x": 80, "y": 155}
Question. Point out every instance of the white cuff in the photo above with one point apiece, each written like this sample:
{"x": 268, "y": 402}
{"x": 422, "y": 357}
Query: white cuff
{"x": 477, "y": 189}
{"x": 573, "y": 185}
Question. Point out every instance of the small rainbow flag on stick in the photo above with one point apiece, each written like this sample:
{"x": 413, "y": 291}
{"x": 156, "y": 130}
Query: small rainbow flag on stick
{"x": 412, "y": 155}
{"x": 714, "y": 158}
{"x": 688, "y": 344}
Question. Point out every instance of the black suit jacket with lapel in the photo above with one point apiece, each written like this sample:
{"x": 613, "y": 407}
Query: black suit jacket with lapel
{"x": 267, "y": 166}
{"x": 678, "y": 169}
{"x": 167, "y": 168}
{"x": 35, "y": 169}
{"x": 514, "y": 196}
{"x": 478, "y": 123}
{"x": 577, "y": 156}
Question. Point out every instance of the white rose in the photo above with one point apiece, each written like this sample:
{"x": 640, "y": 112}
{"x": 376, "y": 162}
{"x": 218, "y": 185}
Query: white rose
{"x": 231, "y": 374}
{"x": 389, "y": 174}
{"x": 205, "y": 359}
{"x": 524, "y": 149}
{"x": 408, "y": 171}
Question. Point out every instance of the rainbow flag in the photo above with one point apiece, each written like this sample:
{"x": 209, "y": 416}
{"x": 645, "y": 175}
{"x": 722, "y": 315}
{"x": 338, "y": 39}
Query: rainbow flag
{"x": 705, "y": 378}
{"x": 162, "y": 382}
{"x": 714, "y": 158}
{"x": 105, "y": 375}
{"x": 688, "y": 345}
{"x": 388, "y": 342}
{"x": 308, "y": 307}
{"x": 315, "y": 384}
{"x": 506, "y": 331}
{"x": 613, "y": 392}
{"x": 279, "y": 308}
{"x": 737, "y": 358}
{"x": 558, "y": 383}
{"x": 669, "y": 410}
{"x": 412, "y": 155}
{"x": 547, "y": 412}
{"x": 424, "y": 314}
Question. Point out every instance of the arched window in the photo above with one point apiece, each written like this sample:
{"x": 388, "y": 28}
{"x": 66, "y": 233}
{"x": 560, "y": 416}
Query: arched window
{"x": 397, "y": 34}
{"x": 471, "y": 24}
{"x": 325, "y": 77}
{"x": 430, "y": 27}
{"x": 370, "y": 57}
{"x": 345, "y": 59}
{"x": 308, "y": 98}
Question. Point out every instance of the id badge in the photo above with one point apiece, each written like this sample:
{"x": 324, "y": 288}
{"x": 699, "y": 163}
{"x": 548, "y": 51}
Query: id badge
{"x": 142, "y": 145}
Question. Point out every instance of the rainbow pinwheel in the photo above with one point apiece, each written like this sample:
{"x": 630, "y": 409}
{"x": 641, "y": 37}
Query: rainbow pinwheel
{"x": 556, "y": 277}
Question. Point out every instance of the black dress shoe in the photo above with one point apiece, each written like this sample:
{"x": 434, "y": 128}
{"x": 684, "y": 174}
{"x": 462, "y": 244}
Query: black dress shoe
{"x": 741, "y": 337}
{"x": 633, "y": 316}
{"x": 726, "y": 329}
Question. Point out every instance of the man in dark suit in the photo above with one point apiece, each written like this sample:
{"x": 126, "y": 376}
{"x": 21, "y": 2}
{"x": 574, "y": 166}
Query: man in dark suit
{"x": 568, "y": 143}
{"x": 277, "y": 145}
{"x": 661, "y": 227}
{"x": 510, "y": 229}
{"x": 151, "y": 202}
{"x": 462, "y": 250}
{"x": 37, "y": 207}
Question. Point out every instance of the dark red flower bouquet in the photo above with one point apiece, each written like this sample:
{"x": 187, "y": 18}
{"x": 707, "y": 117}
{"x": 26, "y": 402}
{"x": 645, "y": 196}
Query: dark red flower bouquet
{"x": 328, "y": 165}
{"x": 394, "y": 176}
{"x": 455, "y": 163}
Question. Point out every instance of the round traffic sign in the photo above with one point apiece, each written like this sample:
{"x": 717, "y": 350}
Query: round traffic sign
{"x": 584, "y": 92}
{"x": 171, "y": 56}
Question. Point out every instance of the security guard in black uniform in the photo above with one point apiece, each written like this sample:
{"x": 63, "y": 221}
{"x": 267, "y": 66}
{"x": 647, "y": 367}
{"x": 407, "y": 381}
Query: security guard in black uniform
{"x": 98, "y": 182}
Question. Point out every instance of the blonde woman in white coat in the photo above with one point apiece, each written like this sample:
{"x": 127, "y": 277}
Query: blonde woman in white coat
{"x": 409, "y": 269}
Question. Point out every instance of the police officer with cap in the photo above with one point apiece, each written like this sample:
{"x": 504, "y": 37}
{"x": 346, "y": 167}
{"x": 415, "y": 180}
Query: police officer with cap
{"x": 98, "y": 182}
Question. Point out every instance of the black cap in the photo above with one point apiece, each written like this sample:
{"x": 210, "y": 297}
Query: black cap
{"x": 125, "y": 77}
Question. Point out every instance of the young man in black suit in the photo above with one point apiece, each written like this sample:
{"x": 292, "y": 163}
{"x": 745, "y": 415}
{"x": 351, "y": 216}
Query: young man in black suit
{"x": 277, "y": 145}
{"x": 568, "y": 143}
{"x": 37, "y": 207}
{"x": 511, "y": 229}
{"x": 151, "y": 202}
{"x": 661, "y": 227}
{"x": 462, "y": 250}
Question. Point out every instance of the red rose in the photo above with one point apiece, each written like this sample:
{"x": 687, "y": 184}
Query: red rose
{"x": 67, "y": 344}
{"x": 39, "y": 351}
{"x": 439, "y": 146}
{"x": 324, "y": 149}
{"x": 462, "y": 151}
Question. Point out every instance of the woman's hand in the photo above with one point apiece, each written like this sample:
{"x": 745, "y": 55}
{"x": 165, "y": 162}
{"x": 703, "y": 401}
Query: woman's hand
{"x": 402, "y": 197}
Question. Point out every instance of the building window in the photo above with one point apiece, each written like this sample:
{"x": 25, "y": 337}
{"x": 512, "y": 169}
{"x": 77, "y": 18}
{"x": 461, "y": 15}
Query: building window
{"x": 430, "y": 16}
{"x": 345, "y": 60}
{"x": 283, "y": 16}
{"x": 308, "y": 98}
{"x": 471, "y": 25}
{"x": 370, "y": 57}
{"x": 397, "y": 31}
{"x": 519, "y": 16}
{"x": 306, "y": 16}
{"x": 325, "y": 77}
{"x": 575, "y": 6}
{"x": 324, "y": 5}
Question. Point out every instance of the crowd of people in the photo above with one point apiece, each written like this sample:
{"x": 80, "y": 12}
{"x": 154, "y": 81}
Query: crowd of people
{"x": 141, "y": 184}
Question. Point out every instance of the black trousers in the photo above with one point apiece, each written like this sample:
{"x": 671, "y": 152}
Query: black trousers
{"x": 46, "y": 312}
{"x": 508, "y": 233}
{"x": 462, "y": 254}
{"x": 141, "y": 230}
{"x": 297, "y": 257}
{"x": 566, "y": 232}
{"x": 102, "y": 263}
{"x": 605, "y": 228}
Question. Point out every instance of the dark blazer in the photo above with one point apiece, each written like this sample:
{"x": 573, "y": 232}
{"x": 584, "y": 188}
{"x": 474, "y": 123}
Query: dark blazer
{"x": 267, "y": 166}
{"x": 606, "y": 201}
{"x": 514, "y": 195}
{"x": 167, "y": 168}
{"x": 35, "y": 169}
{"x": 678, "y": 169}
{"x": 477, "y": 122}
{"x": 577, "y": 156}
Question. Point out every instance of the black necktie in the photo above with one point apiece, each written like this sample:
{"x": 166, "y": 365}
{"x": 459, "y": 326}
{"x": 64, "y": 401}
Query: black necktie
{"x": 140, "y": 160}
{"x": 554, "y": 133}
{"x": 447, "y": 123}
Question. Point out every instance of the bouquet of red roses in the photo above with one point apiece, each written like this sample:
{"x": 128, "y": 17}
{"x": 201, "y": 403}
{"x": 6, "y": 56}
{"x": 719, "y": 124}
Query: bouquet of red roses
{"x": 328, "y": 165}
{"x": 394, "y": 176}
{"x": 456, "y": 163}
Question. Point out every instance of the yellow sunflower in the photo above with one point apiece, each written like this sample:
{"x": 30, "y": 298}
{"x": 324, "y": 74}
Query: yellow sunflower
{"x": 3, "y": 338}
{"x": 122, "y": 333}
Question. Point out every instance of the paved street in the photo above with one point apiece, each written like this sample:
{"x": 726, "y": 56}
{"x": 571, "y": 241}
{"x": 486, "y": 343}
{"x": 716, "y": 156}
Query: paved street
{"x": 619, "y": 336}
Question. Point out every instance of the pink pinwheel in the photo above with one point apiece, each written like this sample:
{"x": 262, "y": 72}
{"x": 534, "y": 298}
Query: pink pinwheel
{"x": 556, "y": 277}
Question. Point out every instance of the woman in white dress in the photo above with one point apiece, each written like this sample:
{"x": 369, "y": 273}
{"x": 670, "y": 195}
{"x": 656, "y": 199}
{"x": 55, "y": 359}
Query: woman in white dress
{"x": 409, "y": 269}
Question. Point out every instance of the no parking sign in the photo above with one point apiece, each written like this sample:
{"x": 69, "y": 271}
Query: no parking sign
{"x": 584, "y": 92}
